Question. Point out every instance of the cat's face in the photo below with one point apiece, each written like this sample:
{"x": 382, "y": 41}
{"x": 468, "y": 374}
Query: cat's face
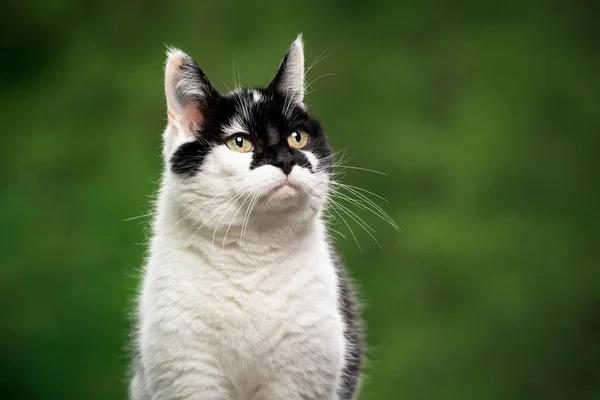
{"x": 250, "y": 153}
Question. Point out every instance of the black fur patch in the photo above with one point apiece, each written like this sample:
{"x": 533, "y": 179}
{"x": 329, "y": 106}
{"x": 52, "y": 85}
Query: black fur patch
{"x": 188, "y": 158}
{"x": 353, "y": 333}
{"x": 269, "y": 122}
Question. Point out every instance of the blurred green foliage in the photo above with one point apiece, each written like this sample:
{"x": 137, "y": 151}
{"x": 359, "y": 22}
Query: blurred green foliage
{"x": 484, "y": 115}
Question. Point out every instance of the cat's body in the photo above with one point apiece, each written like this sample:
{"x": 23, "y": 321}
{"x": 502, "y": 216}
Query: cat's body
{"x": 243, "y": 296}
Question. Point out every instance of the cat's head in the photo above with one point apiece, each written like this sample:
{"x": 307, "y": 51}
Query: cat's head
{"x": 256, "y": 148}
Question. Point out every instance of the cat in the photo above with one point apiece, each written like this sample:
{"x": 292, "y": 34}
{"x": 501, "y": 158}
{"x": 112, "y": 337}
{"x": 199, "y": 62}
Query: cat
{"x": 243, "y": 296}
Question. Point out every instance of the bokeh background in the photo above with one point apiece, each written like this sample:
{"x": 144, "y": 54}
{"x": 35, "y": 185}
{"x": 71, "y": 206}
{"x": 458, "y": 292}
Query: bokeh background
{"x": 484, "y": 115}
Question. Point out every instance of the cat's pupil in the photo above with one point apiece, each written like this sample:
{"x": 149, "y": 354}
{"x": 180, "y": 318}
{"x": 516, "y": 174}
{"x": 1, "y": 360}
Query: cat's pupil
{"x": 239, "y": 141}
{"x": 297, "y": 137}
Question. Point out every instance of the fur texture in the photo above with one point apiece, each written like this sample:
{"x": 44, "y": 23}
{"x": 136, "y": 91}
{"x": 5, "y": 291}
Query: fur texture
{"x": 243, "y": 297}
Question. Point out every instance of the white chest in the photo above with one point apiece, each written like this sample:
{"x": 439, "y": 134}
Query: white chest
{"x": 246, "y": 331}
{"x": 246, "y": 313}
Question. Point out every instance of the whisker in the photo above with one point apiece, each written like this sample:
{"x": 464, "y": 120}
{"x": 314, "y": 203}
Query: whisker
{"x": 247, "y": 220}
{"x": 236, "y": 85}
{"x": 378, "y": 211}
{"x": 360, "y": 169}
{"x": 343, "y": 152}
{"x": 347, "y": 225}
{"x": 345, "y": 185}
{"x": 202, "y": 207}
{"x": 190, "y": 240}
{"x": 317, "y": 60}
{"x": 338, "y": 232}
{"x": 360, "y": 223}
{"x": 333, "y": 155}
{"x": 317, "y": 78}
{"x": 344, "y": 208}
{"x": 226, "y": 85}
{"x": 223, "y": 216}
{"x": 372, "y": 204}
{"x": 231, "y": 222}
{"x": 138, "y": 217}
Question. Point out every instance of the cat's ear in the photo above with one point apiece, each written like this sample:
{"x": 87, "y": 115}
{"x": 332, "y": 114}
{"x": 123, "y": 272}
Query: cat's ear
{"x": 188, "y": 92}
{"x": 289, "y": 79}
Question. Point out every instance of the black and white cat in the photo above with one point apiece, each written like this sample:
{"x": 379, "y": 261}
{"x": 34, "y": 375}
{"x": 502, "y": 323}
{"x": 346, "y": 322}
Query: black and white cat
{"x": 243, "y": 296}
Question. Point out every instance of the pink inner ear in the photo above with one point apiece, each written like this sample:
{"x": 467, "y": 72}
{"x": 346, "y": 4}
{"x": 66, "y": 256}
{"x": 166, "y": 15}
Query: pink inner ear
{"x": 186, "y": 113}
{"x": 192, "y": 118}
{"x": 192, "y": 115}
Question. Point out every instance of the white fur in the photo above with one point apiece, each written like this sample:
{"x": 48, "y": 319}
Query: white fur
{"x": 235, "y": 126}
{"x": 239, "y": 298}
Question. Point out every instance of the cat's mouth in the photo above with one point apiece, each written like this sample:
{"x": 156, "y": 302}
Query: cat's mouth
{"x": 287, "y": 183}
{"x": 285, "y": 188}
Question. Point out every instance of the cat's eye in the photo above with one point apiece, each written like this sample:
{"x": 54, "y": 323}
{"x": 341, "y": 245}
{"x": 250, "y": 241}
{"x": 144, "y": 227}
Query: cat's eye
{"x": 240, "y": 144}
{"x": 298, "y": 139}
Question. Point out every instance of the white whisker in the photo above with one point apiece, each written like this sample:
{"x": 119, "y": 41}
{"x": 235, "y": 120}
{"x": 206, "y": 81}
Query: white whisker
{"x": 369, "y": 206}
{"x": 347, "y": 225}
{"x": 320, "y": 58}
{"x": 360, "y": 169}
{"x": 338, "y": 232}
{"x": 236, "y": 198}
{"x": 345, "y": 185}
{"x": 138, "y": 217}
{"x": 359, "y": 221}
{"x": 226, "y": 85}
{"x": 247, "y": 219}
{"x": 316, "y": 79}
{"x": 231, "y": 221}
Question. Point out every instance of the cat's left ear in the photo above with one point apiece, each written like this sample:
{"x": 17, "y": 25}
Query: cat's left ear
{"x": 188, "y": 93}
{"x": 289, "y": 79}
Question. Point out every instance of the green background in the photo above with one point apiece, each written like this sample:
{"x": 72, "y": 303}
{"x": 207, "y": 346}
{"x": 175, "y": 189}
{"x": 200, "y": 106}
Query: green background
{"x": 485, "y": 115}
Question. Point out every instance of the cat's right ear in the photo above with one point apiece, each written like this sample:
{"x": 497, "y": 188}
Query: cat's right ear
{"x": 289, "y": 79}
{"x": 188, "y": 93}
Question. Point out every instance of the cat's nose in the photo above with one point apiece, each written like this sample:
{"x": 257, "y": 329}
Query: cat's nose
{"x": 285, "y": 161}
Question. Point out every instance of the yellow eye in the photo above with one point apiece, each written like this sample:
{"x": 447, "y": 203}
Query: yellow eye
{"x": 240, "y": 144}
{"x": 298, "y": 139}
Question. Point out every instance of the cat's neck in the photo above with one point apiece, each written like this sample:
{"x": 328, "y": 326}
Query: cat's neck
{"x": 262, "y": 240}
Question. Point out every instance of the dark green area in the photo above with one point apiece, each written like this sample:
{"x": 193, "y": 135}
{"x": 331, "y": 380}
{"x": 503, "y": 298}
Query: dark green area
{"x": 485, "y": 115}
